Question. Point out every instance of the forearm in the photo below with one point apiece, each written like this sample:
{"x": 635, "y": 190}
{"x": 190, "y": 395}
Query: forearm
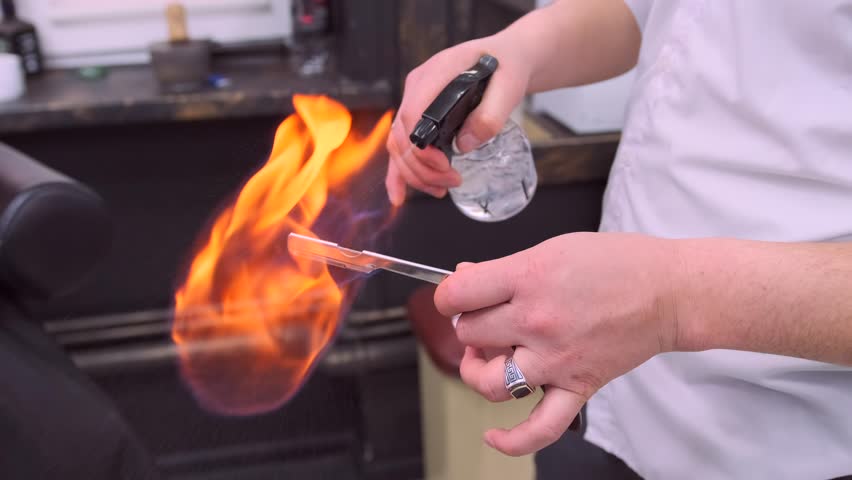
{"x": 792, "y": 299}
{"x": 576, "y": 42}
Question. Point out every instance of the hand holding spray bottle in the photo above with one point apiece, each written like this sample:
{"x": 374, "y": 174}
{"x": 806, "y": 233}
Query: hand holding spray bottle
{"x": 499, "y": 177}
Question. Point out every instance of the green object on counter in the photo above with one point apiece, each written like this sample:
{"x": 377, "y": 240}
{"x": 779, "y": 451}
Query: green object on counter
{"x": 92, "y": 73}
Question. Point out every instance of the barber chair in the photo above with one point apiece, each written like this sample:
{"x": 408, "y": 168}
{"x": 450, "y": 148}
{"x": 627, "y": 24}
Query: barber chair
{"x": 54, "y": 421}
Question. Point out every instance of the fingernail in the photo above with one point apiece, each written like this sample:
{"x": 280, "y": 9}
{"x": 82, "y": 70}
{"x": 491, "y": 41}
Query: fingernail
{"x": 467, "y": 142}
{"x": 399, "y": 198}
{"x": 395, "y": 195}
{"x": 487, "y": 440}
{"x": 455, "y": 319}
{"x": 391, "y": 192}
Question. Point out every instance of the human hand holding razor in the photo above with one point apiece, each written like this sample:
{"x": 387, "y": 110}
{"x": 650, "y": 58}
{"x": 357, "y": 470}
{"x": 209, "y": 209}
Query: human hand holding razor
{"x": 572, "y": 313}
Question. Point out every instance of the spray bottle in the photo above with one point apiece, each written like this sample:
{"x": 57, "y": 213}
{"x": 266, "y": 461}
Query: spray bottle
{"x": 499, "y": 177}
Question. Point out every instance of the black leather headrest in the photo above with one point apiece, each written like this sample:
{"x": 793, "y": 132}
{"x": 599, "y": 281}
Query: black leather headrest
{"x": 53, "y": 230}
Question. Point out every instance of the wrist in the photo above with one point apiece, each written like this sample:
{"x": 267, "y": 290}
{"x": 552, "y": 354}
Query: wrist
{"x": 530, "y": 39}
{"x": 663, "y": 285}
{"x": 693, "y": 293}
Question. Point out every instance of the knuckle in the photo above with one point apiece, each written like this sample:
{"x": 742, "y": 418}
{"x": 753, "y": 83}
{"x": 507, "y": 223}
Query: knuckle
{"x": 535, "y": 267}
{"x": 545, "y": 325}
{"x": 408, "y": 118}
{"x": 463, "y": 265}
{"x": 397, "y": 134}
{"x": 393, "y": 144}
{"x": 535, "y": 323}
{"x": 585, "y": 383}
{"x": 525, "y": 321}
{"x": 412, "y": 78}
{"x": 488, "y": 125}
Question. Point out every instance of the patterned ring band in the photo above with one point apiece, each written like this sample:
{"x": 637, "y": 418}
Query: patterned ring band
{"x": 516, "y": 382}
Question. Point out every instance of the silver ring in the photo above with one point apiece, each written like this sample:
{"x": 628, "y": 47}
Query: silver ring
{"x": 516, "y": 382}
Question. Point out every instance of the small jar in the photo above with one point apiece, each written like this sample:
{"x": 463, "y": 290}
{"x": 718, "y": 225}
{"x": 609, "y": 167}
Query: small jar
{"x": 12, "y": 81}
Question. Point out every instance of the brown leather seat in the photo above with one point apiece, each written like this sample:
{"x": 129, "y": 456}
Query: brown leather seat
{"x": 435, "y": 331}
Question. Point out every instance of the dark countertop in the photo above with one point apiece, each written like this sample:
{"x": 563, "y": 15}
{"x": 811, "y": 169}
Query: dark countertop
{"x": 62, "y": 99}
{"x": 563, "y": 157}
{"x": 130, "y": 94}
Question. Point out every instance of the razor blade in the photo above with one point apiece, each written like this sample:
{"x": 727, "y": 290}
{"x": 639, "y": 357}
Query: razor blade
{"x": 360, "y": 260}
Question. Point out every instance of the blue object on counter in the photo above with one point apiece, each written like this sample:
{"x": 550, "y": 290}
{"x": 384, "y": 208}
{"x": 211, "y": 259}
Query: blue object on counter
{"x": 219, "y": 81}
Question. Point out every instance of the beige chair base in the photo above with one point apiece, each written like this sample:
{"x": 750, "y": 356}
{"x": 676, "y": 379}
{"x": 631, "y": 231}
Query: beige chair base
{"x": 454, "y": 420}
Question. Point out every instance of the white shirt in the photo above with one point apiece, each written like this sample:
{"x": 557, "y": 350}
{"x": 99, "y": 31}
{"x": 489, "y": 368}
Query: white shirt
{"x": 739, "y": 125}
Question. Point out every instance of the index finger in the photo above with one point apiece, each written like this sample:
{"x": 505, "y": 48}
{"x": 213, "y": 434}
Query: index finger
{"x": 431, "y": 157}
{"x": 477, "y": 286}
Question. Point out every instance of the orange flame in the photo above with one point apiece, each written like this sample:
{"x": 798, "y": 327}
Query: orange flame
{"x": 250, "y": 321}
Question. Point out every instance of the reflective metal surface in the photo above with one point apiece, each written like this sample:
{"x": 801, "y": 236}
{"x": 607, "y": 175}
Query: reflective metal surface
{"x": 362, "y": 261}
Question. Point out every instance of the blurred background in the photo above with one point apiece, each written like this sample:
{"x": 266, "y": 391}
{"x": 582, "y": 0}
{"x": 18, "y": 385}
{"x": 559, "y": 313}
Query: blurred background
{"x": 150, "y": 115}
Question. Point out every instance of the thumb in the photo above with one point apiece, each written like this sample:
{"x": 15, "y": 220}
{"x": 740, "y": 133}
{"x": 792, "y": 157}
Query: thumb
{"x": 503, "y": 94}
{"x": 545, "y": 425}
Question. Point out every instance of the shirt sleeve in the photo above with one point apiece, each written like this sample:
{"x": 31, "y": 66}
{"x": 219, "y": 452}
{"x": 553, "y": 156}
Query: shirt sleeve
{"x": 640, "y": 9}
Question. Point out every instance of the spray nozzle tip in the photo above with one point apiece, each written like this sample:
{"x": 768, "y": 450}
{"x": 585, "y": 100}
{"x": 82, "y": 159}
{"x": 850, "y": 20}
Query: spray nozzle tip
{"x": 424, "y": 133}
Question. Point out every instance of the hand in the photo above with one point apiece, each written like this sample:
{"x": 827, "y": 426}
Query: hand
{"x": 581, "y": 308}
{"x": 429, "y": 170}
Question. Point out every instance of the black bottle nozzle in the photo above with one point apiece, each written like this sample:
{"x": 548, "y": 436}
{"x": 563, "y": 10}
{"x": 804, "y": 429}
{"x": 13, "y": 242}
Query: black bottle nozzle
{"x": 444, "y": 117}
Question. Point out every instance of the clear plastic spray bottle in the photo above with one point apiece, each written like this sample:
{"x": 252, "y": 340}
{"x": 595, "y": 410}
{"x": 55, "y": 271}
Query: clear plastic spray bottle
{"x": 499, "y": 177}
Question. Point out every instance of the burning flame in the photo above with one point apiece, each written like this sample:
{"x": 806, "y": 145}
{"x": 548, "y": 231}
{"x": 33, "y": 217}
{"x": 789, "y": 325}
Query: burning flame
{"x": 250, "y": 321}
